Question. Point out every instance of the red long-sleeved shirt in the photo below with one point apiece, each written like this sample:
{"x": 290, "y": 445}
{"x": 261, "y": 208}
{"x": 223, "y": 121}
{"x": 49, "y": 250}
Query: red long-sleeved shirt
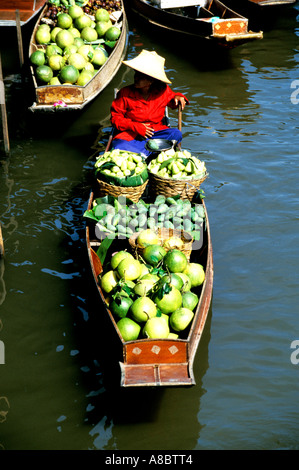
{"x": 130, "y": 110}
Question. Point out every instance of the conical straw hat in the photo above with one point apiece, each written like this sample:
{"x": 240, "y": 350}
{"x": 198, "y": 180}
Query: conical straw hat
{"x": 149, "y": 63}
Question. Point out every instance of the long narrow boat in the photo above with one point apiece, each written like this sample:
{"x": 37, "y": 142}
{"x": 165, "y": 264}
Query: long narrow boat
{"x": 156, "y": 362}
{"x": 268, "y": 3}
{"x": 75, "y": 97}
{"x": 27, "y": 10}
{"x": 214, "y": 22}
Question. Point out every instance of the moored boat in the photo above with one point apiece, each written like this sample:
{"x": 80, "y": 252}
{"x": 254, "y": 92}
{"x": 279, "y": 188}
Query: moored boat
{"x": 152, "y": 362}
{"x": 71, "y": 96}
{"x": 27, "y": 10}
{"x": 207, "y": 20}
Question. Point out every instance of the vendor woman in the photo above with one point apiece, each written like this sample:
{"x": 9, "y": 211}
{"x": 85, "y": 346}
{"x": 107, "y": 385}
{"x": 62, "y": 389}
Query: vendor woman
{"x": 138, "y": 110}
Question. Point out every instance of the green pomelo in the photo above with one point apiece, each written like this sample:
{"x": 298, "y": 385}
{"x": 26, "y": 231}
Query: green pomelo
{"x": 175, "y": 260}
{"x": 78, "y": 42}
{"x": 64, "y": 39}
{"x": 169, "y": 302}
{"x": 187, "y": 283}
{"x": 89, "y": 34}
{"x": 82, "y": 21}
{"x": 84, "y": 77}
{"x": 77, "y": 60}
{"x": 108, "y": 281}
{"x": 89, "y": 67}
{"x": 173, "y": 279}
{"x": 64, "y": 21}
{"x": 147, "y": 237}
{"x": 87, "y": 51}
{"x": 189, "y": 300}
{"x": 70, "y": 50}
{"x": 54, "y": 32}
{"x": 118, "y": 257}
{"x": 129, "y": 269}
{"x": 196, "y": 274}
{"x": 156, "y": 327}
{"x": 43, "y": 36}
{"x": 38, "y": 58}
{"x": 128, "y": 329}
{"x": 102, "y": 15}
{"x": 150, "y": 277}
{"x": 99, "y": 58}
{"x": 120, "y": 306}
{"x": 56, "y": 62}
{"x": 142, "y": 287}
{"x": 75, "y": 32}
{"x": 69, "y": 74}
{"x": 112, "y": 34}
{"x": 102, "y": 26}
{"x": 75, "y": 11}
{"x": 153, "y": 254}
{"x": 173, "y": 336}
{"x": 181, "y": 318}
{"x": 53, "y": 49}
{"x": 44, "y": 73}
{"x": 142, "y": 309}
{"x": 54, "y": 81}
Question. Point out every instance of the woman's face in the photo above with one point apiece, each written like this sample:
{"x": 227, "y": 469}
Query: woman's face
{"x": 142, "y": 81}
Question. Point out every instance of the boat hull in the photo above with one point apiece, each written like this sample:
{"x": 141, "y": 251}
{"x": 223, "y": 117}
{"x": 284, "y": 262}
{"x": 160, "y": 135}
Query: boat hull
{"x": 77, "y": 97}
{"x": 229, "y": 32}
{"x": 28, "y": 9}
{"x": 159, "y": 362}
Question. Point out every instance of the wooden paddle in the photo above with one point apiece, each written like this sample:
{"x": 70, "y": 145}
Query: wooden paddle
{"x": 179, "y": 122}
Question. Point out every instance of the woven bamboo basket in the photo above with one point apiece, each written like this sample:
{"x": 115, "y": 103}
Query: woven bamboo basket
{"x": 164, "y": 234}
{"x": 171, "y": 187}
{"x": 133, "y": 193}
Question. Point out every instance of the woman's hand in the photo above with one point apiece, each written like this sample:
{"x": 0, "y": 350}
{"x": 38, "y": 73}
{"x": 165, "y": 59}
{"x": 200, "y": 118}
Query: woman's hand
{"x": 149, "y": 131}
{"x": 179, "y": 99}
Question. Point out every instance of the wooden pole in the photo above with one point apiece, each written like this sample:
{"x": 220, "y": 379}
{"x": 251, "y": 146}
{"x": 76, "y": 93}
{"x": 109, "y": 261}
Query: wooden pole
{"x": 1, "y": 244}
{"x": 20, "y": 42}
{"x": 3, "y": 111}
{"x": 180, "y": 122}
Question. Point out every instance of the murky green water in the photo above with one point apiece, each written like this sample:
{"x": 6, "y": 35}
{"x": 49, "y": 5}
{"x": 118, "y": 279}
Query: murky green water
{"x": 242, "y": 122}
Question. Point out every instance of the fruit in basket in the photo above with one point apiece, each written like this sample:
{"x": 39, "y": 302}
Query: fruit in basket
{"x": 173, "y": 242}
{"x": 177, "y": 165}
{"x": 128, "y": 329}
{"x": 112, "y": 34}
{"x": 82, "y": 21}
{"x": 98, "y": 58}
{"x": 186, "y": 282}
{"x": 147, "y": 237}
{"x": 196, "y": 274}
{"x": 118, "y": 257}
{"x": 54, "y": 32}
{"x": 143, "y": 286}
{"x": 89, "y": 34}
{"x": 181, "y": 318}
{"x": 56, "y": 62}
{"x": 156, "y": 327}
{"x": 108, "y": 281}
{"x": 77, "y": 60}
{"x": 102, "y": 26}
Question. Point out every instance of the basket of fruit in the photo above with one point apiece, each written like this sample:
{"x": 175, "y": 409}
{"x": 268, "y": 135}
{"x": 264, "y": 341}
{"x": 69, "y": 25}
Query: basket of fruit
{"x": 167, "y": 238}
{"x": 176, "y": 173}
{"x": 121, "y": 173}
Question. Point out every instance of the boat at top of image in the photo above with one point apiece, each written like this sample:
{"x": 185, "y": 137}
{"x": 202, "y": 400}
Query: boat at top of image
{"x": 208, "y": 20}
{"x": 149, "y": 360}
{"x": 268, "y": 3}
{"x": 58, "y": 88}
{"x": 27, "y": 10}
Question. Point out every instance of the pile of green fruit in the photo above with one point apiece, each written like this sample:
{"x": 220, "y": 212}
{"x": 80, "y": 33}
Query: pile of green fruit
{"x": 117, "y": 217}
{"x": 153, "y": 296}
{"x": 121, "y": 168}
{"x": 178, "y": 165}
{"x": 74, "y": 48}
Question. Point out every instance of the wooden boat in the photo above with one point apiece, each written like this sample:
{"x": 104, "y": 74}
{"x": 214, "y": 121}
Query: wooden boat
{"x": 27, "y": 10}
{"x": 269, "y": 3}
{"x": 76, "y": 97}
{"x": 156, "y": 362}
{"x": 214, "y": 22}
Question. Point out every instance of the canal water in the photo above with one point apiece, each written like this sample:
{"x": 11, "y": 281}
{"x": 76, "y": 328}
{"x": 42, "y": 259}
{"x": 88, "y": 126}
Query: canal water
{"x": 243, "y": 122}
